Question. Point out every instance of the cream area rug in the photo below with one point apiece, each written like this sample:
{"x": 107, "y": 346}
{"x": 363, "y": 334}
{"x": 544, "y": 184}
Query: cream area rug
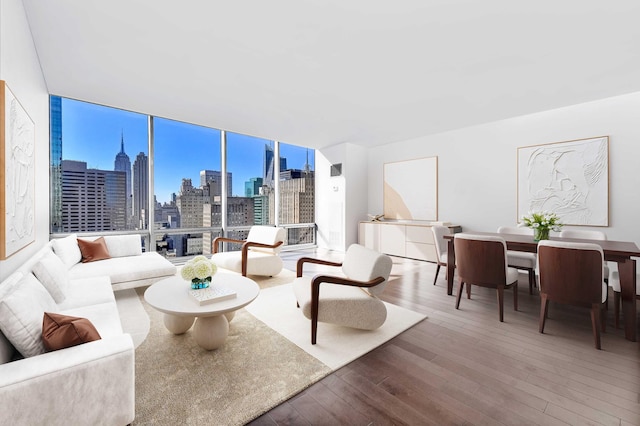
{"x": 336, "y": 346}
{"x": 266, "y": 359}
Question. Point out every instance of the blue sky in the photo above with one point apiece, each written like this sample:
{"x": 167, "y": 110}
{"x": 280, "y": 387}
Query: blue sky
{"x": 92, "y": 133}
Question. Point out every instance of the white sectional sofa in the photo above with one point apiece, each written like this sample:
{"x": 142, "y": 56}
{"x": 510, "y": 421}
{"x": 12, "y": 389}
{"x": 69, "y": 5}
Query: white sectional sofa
{"x": 91, "y": 383}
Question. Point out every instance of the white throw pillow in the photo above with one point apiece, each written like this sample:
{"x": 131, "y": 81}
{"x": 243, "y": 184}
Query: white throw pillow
{"x": 52, "y": 274}
{"x": 68, "y": 250}
{"x": 22, "y": 307}
{"x": 123, "y": 245}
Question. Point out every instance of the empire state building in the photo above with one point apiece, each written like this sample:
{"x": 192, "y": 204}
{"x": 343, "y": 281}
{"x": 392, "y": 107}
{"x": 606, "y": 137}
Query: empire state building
{"x": 123, "y": 164}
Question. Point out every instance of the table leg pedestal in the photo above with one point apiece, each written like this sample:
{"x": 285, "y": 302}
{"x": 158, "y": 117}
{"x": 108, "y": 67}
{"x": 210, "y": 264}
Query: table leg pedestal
{"x": 230, "y": 315}
{"x": 211, "y": 332}
{"x": 177, "y": 324}
{"x": 627, "y": 271}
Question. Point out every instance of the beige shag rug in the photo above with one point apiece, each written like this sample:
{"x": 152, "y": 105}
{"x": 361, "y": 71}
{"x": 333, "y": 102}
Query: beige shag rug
{"x": 177, "y": 382}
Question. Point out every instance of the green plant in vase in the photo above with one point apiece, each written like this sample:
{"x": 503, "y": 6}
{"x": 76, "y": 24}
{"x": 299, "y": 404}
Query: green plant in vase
{"x": 542, "y": 223}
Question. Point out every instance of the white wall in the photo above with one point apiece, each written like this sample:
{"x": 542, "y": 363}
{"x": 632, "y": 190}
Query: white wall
{"x": 20, "y": 68}
{"x": 341, "y": 201}
{"x": 477, "y": 165}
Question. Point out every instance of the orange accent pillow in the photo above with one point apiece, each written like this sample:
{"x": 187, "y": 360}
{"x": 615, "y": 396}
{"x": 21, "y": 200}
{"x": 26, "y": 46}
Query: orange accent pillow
{"x": 64, "y": 331}
{"x": 93, "y": 250}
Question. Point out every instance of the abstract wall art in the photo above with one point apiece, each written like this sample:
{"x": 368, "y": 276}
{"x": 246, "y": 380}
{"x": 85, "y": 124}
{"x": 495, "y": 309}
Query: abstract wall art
{"x": 411, "y": 189}
{"x": 569, "y": 178}
{"x": 17, "y": 175}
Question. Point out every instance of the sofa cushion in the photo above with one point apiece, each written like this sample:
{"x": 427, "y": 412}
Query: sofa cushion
{"x": 104, "y": 317}
{"x": 124, "y": 245}
{"x": 52, "y": 274}
{"x": 64, "y": 331}
{"x": 93, "y": 250}
{"x": 363, "y": 264}
{"x": 88, "y": 291}
{"x": 67, "y": 249}
{"x": 6, "y": 348}
{"x": 22, "y": 306}
{"x": 123, "y": 269}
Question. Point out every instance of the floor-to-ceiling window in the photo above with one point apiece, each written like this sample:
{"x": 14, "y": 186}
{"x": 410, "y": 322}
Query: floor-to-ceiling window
{"x": 105, "y": 164}
{"x": 95, "y": 152}
{"x": 296, "y": 190}
{"x": 187, "y": 184}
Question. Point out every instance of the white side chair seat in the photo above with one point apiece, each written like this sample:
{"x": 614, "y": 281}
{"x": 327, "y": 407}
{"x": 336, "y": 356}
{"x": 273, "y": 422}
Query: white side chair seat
{"x": 258, "y": 263}
{"x": 521, "y": 260}
{"x": 349, "y": 299}
{"x": 259, "y": 254}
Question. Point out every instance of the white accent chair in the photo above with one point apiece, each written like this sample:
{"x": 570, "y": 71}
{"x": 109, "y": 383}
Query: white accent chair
{"x": 482, "y": 261}
{"x": 439, "y": 232}
{"x": 259, "y": 254}
{"x": 614, "y": 283}
{"x": 573, "y": 274}
{"x": 521, "y": 260}
{"x": 349, "y": 300}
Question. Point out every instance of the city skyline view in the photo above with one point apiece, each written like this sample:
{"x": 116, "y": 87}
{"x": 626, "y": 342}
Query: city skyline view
{"x": 93, "y": 134}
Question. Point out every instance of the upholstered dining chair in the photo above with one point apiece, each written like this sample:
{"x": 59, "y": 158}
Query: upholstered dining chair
{"x": 584, "y": 234}
{"x": 614, "y": 283}
{"x": 572, "y": 273}
{"x": 482, "y": 261}
{"x": 259, "y": 254}
{"x": 348, "y": 299}
{"x": 519, "y": 259}
{"x": 439, "y": 232}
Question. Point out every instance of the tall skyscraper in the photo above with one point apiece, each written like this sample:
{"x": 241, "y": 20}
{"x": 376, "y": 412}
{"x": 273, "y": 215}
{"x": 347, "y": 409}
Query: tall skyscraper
{"x": 140, "y": 191}
{"x": 268, "y": 171}
{"x": 213, "y": 178}
{"x": 55, "y": 155}
{"x": 92, "y": 199}
{"x": 123, "y": 164}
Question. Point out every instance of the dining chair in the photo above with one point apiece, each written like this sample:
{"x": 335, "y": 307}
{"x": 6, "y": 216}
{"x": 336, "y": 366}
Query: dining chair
{"x": 584, "y": 234}
{"x": 482, "y": 261}
{"x": 439, "y": 232}
{"x": 519, "y": 259}
{"x": 572, "y": 273}
{"x": 614, "y": 283}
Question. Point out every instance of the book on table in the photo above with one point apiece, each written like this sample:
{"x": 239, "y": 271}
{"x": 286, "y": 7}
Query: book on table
{"x": 212, "y": 294}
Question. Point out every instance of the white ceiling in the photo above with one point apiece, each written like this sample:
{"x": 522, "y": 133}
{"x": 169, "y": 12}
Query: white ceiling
{"x": 321, "y": 72}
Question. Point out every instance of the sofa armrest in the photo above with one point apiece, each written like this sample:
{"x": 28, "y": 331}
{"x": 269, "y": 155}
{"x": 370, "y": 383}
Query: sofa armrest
{"x": 93, "y": 383}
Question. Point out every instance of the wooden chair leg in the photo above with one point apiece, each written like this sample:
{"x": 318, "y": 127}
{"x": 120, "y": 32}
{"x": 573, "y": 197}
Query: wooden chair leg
{"x": 436, "y": 277}
{"x": 603, "y": 317}
{"x": 544, "y": 304}
{"x": 468, "y": 291}
{"x": 616, "y": 308}
{"x": 515, "y": 296}
{"x": 459, "y": 296}
{"x": 532, "y": 280}
{"x": 500, "y": 303}
{"x": 595, "y": 319}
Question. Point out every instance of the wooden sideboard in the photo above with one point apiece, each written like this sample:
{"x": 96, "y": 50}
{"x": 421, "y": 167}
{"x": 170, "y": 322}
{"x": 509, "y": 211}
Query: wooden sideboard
{"x": 404, "y": 239}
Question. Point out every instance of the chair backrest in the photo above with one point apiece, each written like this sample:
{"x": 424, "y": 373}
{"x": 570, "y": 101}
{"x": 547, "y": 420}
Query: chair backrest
{"x": 583, "y": 234}
{"x": 266, "y": 235}
{"x": 571, "y": 273}
{"x": 481, "y": 260}
{"x": 363, "y": 264}
{"x": 518, "y": 230}
{"x": 439, "y": 232}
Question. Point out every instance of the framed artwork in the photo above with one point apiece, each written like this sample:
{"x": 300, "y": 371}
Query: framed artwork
{"x": 17, "y": 175}
{"x": 411, "y": 189}
{"x": 569, "y": 178}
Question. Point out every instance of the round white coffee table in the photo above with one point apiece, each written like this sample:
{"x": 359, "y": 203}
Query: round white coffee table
{"x": 171, "y": 296}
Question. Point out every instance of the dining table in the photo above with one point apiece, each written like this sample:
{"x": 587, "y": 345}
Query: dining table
{"x": 621, "y": 252}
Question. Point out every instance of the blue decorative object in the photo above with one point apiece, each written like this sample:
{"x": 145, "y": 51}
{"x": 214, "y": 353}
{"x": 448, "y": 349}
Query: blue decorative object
{"x": 197, "y": 284}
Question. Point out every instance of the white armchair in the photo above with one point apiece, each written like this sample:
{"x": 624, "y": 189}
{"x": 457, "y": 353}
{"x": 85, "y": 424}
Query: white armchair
{"x": 350, "y": 300}
{"x": 259, "y": 254}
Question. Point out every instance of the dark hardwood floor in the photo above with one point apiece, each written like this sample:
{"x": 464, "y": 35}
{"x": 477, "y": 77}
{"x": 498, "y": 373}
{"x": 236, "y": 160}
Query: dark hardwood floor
{"x": 464, "y": 367}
